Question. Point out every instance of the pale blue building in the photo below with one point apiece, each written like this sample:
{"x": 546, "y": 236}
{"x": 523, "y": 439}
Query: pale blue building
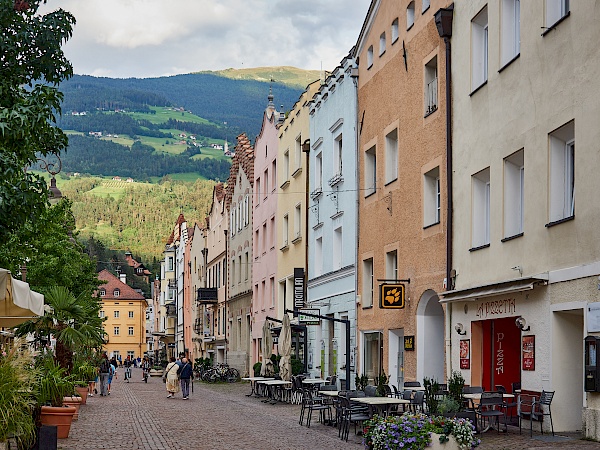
{"x": 332, "y": 222}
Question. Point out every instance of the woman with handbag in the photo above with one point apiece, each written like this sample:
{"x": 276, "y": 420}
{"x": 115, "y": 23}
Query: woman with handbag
{"x": 170, "y": 377}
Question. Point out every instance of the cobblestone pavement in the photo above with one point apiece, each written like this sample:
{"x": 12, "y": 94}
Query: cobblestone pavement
{"x": 139, "y": 416}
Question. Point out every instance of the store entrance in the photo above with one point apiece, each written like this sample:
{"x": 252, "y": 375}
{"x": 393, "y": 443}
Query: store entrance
{"x": 501, "y": 353}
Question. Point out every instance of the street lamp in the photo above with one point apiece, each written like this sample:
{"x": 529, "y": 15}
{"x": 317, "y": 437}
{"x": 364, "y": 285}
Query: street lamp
{"x": 52, "y": 165}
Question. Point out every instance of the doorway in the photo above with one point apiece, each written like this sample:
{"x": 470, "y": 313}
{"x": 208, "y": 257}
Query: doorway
{"x": 430, "y": 341}
{"x": 396, "y": 357}
{"x": 501, "y": 354}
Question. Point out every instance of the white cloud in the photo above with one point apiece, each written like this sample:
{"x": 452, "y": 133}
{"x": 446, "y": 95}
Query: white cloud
{"x": 143, "y": 38}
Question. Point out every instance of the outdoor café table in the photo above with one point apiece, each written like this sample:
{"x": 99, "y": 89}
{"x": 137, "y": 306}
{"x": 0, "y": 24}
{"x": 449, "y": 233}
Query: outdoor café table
{"x": 329, "y": 393}
{"x": 313, "y": 382}
{"x": 381, "y": 404}
{"x": 273, "y": 387}
{"x": 253, "y": 381}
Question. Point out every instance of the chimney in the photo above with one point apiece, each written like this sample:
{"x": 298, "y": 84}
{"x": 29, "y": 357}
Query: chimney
{"x": 123, "y": 278}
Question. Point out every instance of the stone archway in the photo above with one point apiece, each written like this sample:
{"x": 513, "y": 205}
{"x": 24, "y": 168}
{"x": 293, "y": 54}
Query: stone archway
{"x": 430, "y": 337}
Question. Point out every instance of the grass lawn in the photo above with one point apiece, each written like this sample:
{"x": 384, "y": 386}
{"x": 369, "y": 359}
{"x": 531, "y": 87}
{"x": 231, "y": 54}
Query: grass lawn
{"x": 165, "y": 113}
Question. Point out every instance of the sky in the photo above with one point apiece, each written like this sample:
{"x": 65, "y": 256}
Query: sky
{"x": 153, "y": 38}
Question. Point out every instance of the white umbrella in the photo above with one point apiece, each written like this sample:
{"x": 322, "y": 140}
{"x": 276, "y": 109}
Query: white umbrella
{"x": 267, "y": 349}
{"x": 285, "y": 349}
{"x": 18, "y": 303}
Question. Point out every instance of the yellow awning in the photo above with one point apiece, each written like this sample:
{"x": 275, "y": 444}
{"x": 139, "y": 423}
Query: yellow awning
{"x": 18, "y": 303}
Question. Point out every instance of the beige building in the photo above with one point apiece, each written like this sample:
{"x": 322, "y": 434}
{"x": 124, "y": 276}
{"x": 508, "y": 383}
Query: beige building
{"x": 238, "y": 203}
{"x": 125, "y": 312}
{"x": 526, "y": 247}
{"x": 197, "y": 279}
{"x": 403, "y": 191}
{"x": 292, "y": 191}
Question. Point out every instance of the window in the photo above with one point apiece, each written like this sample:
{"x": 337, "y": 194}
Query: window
{"x": 370, "y": 57}
{"x": 556, "y": 10}
{"x": 510, "y": 41}
{"x": 382, "y": 44}
{"x": 239, "y": 269}
{"x": 272, "y": 237}
{"x": 233, "y": 271}
{"x": 337, "y": 155}
{"x": 131, "y": 354}
{"x": 426, "y": 4}
{"x": 479, "y": 49}
{"x": 247, "y": 266}
{"x": 410, "y": 15}
{"x": 297, "y": 222}
{"x": 337, "y": 248}
{"x": 370, "y": 171}
{"x": 116, "y": 314}
{"x": 102, "y": 292}
{"x": 283, "y": 291}
{"x": 130, "y": 314}
{"x": 367, "y": 283}
{"x": 391, "y": 265}
{"x": 431, "y": 197}
{"x": 431, "y": 86}
{"x": 266, "y": 181}
{"x": 224, "y": 271}
{"x": 481, "y": 208}
{"x": 232, "y": 217}
{"x": 562, "y": 172}
{"x": 298, "y": 153}
{"x": 286, "y": 165}
{"x": 264, "y": 237}
{"x": 373, "y": 354}
{"x": 116, "y": 331}
{"x": 272, "y": 291}
{"x": 514, "y": 177}
{"x": 258, "y": 193}
{"x": 130, "y": 331}
{"x": 286, "y": 230}
{"x": 247, "y": 210}
{"x": 102, "y": 314}
{"x": 319, "y": 256}
{"x": 319, "y": 171}
{"x": 170, "y": 263}
{"x": 395, "y": 30}
{"x": 274, "y": 176}
{"x": 391, "y": 156}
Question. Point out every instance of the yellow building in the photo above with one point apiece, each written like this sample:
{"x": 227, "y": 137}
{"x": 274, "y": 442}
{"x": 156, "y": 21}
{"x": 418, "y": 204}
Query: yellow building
{"x": 125, "y": 312}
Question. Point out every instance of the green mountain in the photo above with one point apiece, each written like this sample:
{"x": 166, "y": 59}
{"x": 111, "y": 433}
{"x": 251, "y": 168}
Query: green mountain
{"x": 287, "y": 75}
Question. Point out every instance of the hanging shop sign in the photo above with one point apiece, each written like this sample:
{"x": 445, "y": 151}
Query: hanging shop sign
{"x": 299, "y": 288}
{"x": 409, "y": 343}
{"x": 391, "y": 296}
{"x": 308, "y": 320}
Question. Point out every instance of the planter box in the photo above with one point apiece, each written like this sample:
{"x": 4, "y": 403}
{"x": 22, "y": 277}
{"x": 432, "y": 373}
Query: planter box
{"x": 83, "y": 393}
{"x": 61, "y": 416}
{"x": 156, "y": 373}
{"x": 464, "y": 415}
{"x": 73, "y": 401}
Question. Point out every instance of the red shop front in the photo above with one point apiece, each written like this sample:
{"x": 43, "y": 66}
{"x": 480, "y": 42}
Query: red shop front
{"x": 496, "y": 352}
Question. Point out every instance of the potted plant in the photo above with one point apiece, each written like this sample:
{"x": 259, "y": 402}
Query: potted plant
{"x": 53, "y": 385}
{"x": 454, "y": 404}
{"x": 381, "y": 381}
{"x": 17, "y": 398}
{"x": 432, "y": 387}
{"x": 256, "y": 368}
{"x": 156, "y": 371}
{"x": 361, "y": 381}
{"x": 418, "y": 431}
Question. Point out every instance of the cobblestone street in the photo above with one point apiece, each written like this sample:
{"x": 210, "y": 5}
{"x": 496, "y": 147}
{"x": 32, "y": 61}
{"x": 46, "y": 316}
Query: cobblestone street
{"x": 139, "y": 416}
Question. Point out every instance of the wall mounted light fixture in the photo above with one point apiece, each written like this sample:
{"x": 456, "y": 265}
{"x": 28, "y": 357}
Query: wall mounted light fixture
{"x": 460, "y": 329}
{"x": 521, "y": 324}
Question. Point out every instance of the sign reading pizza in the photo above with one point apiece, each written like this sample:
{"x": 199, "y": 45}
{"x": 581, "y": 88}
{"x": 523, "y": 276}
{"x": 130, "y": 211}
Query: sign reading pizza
{"x": 391, "y": 296}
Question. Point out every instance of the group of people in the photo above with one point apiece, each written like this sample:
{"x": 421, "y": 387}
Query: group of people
{"x": 108, "y": 370}
{"x": 178, "y": 373}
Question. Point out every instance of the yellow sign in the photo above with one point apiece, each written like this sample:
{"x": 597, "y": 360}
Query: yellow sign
{"x": 391, "y": 296}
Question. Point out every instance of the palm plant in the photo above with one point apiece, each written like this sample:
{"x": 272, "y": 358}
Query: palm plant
{"x": 74, "y": 323}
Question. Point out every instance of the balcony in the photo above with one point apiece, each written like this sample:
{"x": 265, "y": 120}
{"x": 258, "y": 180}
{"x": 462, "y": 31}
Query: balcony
{"x": 171, "y": 309}
{"x": 316, "y": 193}
{"x": 172, "y": 284}
{"x": 336, "y": 179}
{"x": 207, "y": 296}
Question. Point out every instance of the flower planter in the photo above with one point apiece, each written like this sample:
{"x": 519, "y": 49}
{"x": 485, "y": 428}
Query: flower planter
{"x": 451, "y": 444}
{"x": 156, "y": 373}
{"x": 73, "y": 401}
{"x": 60, "y": 416}
{"x": 83, "y": 393}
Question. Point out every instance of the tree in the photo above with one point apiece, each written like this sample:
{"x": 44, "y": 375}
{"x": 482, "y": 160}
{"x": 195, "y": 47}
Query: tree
{"x": 32, "y": 64}
{"x": 75, "y": 323}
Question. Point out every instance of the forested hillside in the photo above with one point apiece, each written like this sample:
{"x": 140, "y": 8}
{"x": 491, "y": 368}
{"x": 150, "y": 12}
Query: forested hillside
{"x": 100, "y": 157}
{"x": 135, "y": 216}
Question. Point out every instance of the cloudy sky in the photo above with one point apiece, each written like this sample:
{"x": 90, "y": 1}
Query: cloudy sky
{"x": 151, "y": 38}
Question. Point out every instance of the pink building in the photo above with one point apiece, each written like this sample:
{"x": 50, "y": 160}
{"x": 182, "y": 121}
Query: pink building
{"x": 265, "y": 206}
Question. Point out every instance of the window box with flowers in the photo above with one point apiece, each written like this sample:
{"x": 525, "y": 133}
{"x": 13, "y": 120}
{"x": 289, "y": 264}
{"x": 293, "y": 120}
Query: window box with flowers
{"x": 418, "y": 431}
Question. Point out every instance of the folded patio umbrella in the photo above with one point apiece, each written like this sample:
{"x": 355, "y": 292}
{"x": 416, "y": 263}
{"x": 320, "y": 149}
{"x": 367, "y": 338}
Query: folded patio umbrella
{"x": 18, "y": 303}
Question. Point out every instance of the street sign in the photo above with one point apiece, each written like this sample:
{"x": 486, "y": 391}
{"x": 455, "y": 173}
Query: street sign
{"x": 391, "y": 296}
{"x": 308, "y": 320}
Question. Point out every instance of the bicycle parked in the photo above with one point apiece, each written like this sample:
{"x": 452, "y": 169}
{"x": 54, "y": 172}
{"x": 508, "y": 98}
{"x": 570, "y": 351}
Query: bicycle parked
{"x": 220, "y": 372}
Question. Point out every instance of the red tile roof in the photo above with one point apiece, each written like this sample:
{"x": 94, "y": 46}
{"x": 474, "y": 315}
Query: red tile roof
{"x": 244, "y": 157}
{"x": 126, "y": 292}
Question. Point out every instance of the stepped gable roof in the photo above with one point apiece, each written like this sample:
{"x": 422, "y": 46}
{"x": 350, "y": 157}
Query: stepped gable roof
{"x": 180, "y": 220}
{"x": 244, "y": 158}
{"x": 126, "y": 292}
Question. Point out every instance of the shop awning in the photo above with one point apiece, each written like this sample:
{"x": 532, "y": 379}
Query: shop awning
{"x": 18, "y": 303}
{"x": 506, "y": 287}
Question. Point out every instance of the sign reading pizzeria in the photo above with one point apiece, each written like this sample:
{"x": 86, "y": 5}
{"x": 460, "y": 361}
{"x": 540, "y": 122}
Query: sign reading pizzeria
{"x": 391, "y": 296}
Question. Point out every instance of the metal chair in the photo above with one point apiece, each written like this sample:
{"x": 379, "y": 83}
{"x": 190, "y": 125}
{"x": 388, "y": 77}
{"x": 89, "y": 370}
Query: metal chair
{"x": 351, "y": 414}
{"x": 529, "y": 408}
{"x": 491, "y": 405}
{"x": 397, "y": 393}
{"x": 370, "y": 391}
{"x": 310, "y": 404}
{"x": 416, "y": 402}
{"x": 412, "y": 384}
{"x": 508, "y": 405}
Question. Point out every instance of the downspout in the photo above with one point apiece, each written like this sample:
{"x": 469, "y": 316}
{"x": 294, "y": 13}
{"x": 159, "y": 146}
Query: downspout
{"x": 354, "y": 76}
{"x": 443, "y": 21}
{"x": 305, "y": 149}
{"x": 226, "y": 321}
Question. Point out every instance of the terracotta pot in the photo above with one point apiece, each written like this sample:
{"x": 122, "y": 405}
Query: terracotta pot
{"x": 83, "y": 393}
{"x": 60, "y": 416}
{"x": 73, "y": 401}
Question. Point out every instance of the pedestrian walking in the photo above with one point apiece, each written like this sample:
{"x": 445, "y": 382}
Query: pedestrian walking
{"x": 120, "y": 361}
{"x": 112, "y": 373}
{"x": 104, "y": 371}
{"x": 127, "y": 365}
{"x": 170, "y": 377}
{"x": 186, "y": 373}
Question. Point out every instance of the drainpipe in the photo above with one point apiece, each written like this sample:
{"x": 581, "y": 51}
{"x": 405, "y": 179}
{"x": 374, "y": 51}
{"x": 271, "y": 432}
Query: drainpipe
{"x": 305, "y": 149}
{"x": 225, "y": 286}
{"x": 354, "y": 76}
{"x": 443, "y": 22}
